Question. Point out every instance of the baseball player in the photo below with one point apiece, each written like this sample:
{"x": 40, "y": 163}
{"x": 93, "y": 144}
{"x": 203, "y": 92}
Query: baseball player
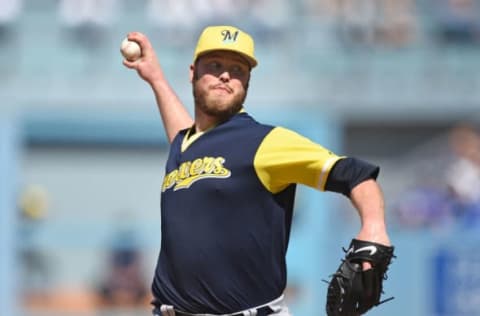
{"x": 229, "y": 186}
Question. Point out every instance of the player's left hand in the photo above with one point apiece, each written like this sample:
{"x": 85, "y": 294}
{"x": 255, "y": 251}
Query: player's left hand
{"x": 357, "y": 285}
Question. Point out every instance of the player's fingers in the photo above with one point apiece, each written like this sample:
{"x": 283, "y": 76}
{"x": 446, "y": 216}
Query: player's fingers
{"x": 130, "y": 64}
{"x": 366, "y": 265}
{"x": 141, "y": 39}
{"x": 136, "y": 35}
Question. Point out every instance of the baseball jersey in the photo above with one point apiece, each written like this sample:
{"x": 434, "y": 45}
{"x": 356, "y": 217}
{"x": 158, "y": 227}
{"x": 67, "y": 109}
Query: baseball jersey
{"x": 226, "y": 209}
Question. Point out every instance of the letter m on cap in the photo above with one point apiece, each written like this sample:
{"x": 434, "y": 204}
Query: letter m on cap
{"x": 229, "y": 37}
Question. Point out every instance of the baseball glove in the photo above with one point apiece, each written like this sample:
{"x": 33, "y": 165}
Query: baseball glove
{"x": 353, "y": 291}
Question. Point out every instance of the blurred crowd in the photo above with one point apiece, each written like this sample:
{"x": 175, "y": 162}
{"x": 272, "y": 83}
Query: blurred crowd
{"x": 80, "y": 29}
{"x": 365, "y": 22}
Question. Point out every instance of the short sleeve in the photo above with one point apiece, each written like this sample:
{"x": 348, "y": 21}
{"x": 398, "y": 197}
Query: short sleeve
{"x": 285, "y": 157}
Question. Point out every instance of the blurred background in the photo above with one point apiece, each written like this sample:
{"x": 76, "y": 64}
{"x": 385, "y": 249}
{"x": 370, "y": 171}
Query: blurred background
{"x": 82, "y": 148}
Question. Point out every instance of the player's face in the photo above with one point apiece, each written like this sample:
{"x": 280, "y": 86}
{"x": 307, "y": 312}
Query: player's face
{"x": 220, "y": 83}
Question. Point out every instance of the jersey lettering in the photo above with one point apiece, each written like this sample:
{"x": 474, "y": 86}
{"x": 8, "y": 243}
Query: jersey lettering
{"x": 192, "y": 171}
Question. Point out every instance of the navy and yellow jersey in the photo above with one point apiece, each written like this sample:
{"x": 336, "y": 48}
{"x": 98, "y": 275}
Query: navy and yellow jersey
{"x": 226, "y": 210}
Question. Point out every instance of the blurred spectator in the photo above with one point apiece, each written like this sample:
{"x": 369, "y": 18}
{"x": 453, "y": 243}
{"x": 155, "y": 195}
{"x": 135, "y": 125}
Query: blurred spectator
{"x": 463, "y": 175}
{"x": 87, "y": 21}
{"x": 35, "y": 265}
{"x": 397, "y": 22}
{"x": 457, "y": 21}
{"x": 124, "y": 283}
{"x": 357, "y": 21}
{"x": 451, "y": 195}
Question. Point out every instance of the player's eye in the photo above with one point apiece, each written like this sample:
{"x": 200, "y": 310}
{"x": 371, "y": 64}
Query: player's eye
{"x": 238, "y": 71}
{"x": 214, "y": 66}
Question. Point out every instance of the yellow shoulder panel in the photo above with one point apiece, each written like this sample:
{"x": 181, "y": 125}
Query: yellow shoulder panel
{"x": 285, "y": 157}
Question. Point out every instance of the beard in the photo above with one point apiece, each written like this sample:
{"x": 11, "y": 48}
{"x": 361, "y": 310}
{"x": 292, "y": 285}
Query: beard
{"x": 221, "y": 108}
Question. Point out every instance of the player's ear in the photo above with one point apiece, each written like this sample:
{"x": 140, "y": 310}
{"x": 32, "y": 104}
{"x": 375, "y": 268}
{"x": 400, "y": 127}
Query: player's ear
{"x": 192, "y": 73}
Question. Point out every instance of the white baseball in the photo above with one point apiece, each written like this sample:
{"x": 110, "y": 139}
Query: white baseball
{"x": 130, "y": 50}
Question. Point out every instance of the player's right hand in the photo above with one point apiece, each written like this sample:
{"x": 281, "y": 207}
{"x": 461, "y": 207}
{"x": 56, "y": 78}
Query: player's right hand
{"x": 147, "y": 66}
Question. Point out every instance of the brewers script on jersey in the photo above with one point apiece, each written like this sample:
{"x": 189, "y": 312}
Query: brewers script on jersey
{"x": 227, "y": 203}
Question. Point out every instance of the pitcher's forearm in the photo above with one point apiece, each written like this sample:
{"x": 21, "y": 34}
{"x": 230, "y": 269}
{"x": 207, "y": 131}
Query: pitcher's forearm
{"x": 367, "y": 198}
{"x": 175, "y": 116}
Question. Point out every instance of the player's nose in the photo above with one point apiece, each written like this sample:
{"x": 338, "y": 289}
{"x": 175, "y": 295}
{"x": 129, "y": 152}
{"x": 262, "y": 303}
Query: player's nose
{"x": 224, "y": 76}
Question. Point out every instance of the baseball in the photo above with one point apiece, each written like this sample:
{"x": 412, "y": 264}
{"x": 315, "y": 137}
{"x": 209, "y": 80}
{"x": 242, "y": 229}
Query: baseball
{"x": 130, "y": 50}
